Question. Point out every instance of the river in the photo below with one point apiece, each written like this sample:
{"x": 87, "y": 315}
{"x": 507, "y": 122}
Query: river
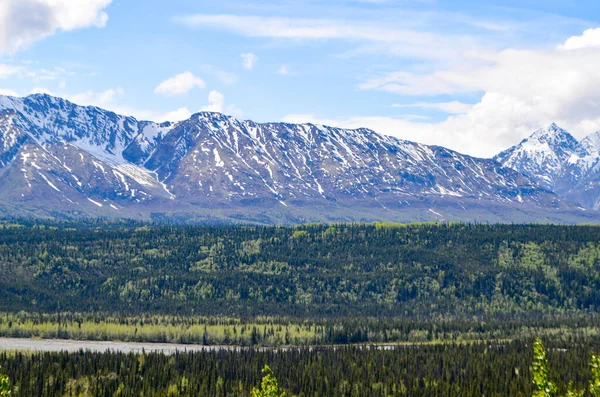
{"x": 57, "y": 345}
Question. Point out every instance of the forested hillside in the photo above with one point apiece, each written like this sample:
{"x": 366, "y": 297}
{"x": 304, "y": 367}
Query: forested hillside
{"x": 310, "y": 271}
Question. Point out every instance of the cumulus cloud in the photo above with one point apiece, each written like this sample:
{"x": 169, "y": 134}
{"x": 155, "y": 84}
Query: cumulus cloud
{"x": 216, "y": 101}
{"x": 497, "y": 122}
{"x": 175, "y": 115}
{"x": 248, "y": 60}
{"x": 23, "y": 22}
{"x": 179, "y": 85}
{"x": 521, "y": 90}
{"x": 589, "y": 38}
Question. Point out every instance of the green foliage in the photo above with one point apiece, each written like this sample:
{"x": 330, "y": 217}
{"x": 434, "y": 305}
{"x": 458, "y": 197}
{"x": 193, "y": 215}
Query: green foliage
{"x": 299, "y": 233}
{"x": 4, "y": 385}
{"x": 572, "y": 392}
{"x": 595, "y": 382}
{"x": 269, "y": 386}
{"x": 544, "y": 387}
{"x": 315, "y": 271}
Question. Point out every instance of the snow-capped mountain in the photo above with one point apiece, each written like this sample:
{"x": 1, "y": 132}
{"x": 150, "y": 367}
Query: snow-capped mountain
{"x": 557, "y": 161}
{"x": 57, "y": 158}
{"x": 75, "y": 155}
{"x": 544, "y": 156}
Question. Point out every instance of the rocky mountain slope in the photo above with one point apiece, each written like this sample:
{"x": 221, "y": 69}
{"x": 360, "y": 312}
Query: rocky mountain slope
{"x": 61, "y": 159}
{"x": 554, "y": 159}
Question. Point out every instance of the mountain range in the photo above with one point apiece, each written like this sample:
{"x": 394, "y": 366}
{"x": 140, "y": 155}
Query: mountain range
{"x": 58, "y": 159}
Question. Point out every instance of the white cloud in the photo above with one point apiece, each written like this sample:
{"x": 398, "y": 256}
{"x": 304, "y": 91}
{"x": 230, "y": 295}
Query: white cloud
{"x": 23, "y": 22}
{"x": 8, "y": 92}
{"x": 103, "y": 99}
{"x": 521, "y": 90}
{"x": 8, "y": 70}
{"x": 175, "y": 115}
{"x": 453, "y": 107}
{"x": 283, "y": 70}
{"x": 492, "y": 125}
{"x": 41, "y": 90}
{"x": 248, "y": 60}
{"x": 107, "y": 99}
{"x": 589, "y": 38}
{"x": 108, "y": 95}
{"x": 179, "y": 84}
{"x": 295, "y": 28}
{"x": 401, "y": 42}
{"x": 215, "y": 102}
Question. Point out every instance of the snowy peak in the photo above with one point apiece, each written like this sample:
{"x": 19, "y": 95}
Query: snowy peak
{"x": 105, "y": 134}
{"x": 562, "y": 141}
{"x": 557, "y": 140}
{"x": 58, "y": 157}
{"x": 546, "y": 156}
{"x": 557, "y": 161}
{"x": 552, "y": 132}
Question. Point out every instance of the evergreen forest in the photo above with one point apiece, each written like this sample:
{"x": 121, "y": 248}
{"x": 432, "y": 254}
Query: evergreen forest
{"x": 311, "y": 271}
{"x": 497, "y": 369}
{"x": 326, "y": 310}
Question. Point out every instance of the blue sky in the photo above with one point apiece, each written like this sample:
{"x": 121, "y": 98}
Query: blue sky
{"x": 470, "y": 76}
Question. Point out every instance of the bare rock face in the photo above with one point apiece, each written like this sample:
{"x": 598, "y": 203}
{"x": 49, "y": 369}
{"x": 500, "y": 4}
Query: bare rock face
{"x": 60, "y": 159}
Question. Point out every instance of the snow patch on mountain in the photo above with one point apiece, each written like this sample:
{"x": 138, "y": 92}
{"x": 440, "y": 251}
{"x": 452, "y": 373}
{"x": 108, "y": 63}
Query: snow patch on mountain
{"x": 216, "y": 161}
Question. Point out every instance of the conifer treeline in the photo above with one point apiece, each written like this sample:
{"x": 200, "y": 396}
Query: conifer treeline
{"x": 479, "y": 369}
